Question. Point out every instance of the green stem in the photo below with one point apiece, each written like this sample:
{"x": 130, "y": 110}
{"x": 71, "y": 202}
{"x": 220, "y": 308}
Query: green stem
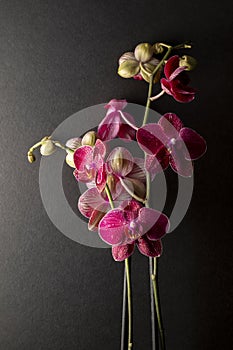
{"x": 157, "y": 305}
{"x": 130, "y": 344}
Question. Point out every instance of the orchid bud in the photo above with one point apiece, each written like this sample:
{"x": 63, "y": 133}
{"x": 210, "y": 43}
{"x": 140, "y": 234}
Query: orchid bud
{"x": 121, "y": 161}
{"x": 74, "y": 143}
{"x": 158, "y": 48}
{"x": 143, "y": 52}
{"x": 128, "y": 69}
{"x": 31, "y": 157}
{"x": 89, "y": 138}
{"x": 47, "y": 148}
{"x": 125, "y": 57}
{"x": 188, "y": 61}
{"x": 70, "y": 159}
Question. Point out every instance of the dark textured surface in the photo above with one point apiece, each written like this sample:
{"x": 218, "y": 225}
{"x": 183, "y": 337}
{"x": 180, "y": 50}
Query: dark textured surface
{"x": 57, "y": 57}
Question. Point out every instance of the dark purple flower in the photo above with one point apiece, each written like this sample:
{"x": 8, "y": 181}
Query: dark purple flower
{"x": 113, "y": 126}
{"x": 131, "y": 222}
{"x": 176, "y": 81}
{"x": 170, "y": 142}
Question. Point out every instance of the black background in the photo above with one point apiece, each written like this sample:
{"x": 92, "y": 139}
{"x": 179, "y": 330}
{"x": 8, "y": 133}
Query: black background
{"x": 57, "y": 57}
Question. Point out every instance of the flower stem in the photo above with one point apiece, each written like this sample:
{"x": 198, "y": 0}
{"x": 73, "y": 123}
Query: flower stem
{"x": 127, "y": 273}
{"x": 157, "y": 305}
{"x": 157, "y": 96}
{"x": 127, "y": 121}
{"x": 130, "y": 344}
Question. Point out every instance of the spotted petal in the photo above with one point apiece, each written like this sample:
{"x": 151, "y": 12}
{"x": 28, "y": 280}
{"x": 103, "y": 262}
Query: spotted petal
{"x": 109, "y": 127}
{"x": 112, "y": 227}
{"x": 149, "y": 248}
{"x": 195, "y": 143}
{"x": 170, "y": 124}
{"x": 155, "y": 224}
{"x": 151, "y": 138}
{"x": 89, "y": 201}
{"x": 122, "y": 252}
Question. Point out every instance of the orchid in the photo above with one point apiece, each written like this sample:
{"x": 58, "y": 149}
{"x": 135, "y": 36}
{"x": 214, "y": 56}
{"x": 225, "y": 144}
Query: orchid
{"x": 89, "y": 164}
{"x": 130, "y": 222}
{"x": 113, "y": 125}
{"x": 176, "y": 81}
{"x": 117, "y": 199}
{"x": 177, "y": 144}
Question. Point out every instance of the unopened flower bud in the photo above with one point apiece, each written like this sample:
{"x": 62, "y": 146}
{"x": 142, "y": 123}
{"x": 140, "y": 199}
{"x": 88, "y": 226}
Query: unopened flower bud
{"x": 188, "y": 61}
{"x": 31, "y": 157}
{"x": 89, "y": 138}
{"x": 158, "y": 48}
{"x": 128, "y": 68}
{"x": 70, "y": 159}
{"x": 74, "y": 143}
{"x": 47, "y": 148}
{"x": 143, "y": 52}
{"x": 125, "y": 57}
{"x": 121, "y": 160}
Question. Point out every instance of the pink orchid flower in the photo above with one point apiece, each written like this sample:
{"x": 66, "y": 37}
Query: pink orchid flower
{"x": 176, "y": 81}
{"x": 131, "y": 223}
{"x": 113, "y": 125}
{"x": 89, "y": 163}
{"x": 170, "y": 142}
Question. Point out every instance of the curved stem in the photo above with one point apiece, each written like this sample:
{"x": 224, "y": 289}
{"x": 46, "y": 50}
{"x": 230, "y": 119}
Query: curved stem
{"x": 157, "y": 96}
{"x": 130, "y": 344}
{"x": 127, "y": 121}
{"x": 157, "y": 305}
{"x": 131, "y": 193}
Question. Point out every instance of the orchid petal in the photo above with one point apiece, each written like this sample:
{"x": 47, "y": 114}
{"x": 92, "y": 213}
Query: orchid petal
{"x": 89, "y": 201}
{"x": 155, "y": 224}
{"x": 112, "y": 227}
{"x": 176, "y": 72}
{"x": 117, "y": 105}
{"x": 171, "y": 65}
{"x": 170, "y": 124}
{"x": 122, "y": 252}
{"x": 138, "y": 170}
{"x": 109, "y": 127}
{"x": 97, "y": 215}
{"x": 151, "y": 138}
{"x": 166, "y": 86}
{"x": 83, "y": 156}
{"x": 179, "y": 163}
{"x": 149, "y": 248}
{"x": 195, "y": 143}
{"x": 101, "y": 178}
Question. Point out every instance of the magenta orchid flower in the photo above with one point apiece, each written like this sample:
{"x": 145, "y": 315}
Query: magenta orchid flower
{"x": 176, "y": 81}
{"x": 89, "y": 164}
{"x": 170, "y": 142}
{"x": 131, "y": 222}
{"x": 113, "y": 125}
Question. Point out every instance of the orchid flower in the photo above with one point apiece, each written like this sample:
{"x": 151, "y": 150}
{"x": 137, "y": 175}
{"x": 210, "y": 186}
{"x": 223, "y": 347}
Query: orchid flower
{"x": 175, "y": 83}
{"x": 132, "y": 223}
{"x": 170, "y": 142}
{"x": 113, "y": 125}
{"x": 89, "y": 163}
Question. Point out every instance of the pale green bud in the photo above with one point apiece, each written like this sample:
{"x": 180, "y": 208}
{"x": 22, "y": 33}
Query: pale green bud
{"x": 89, "y": 138}
{"x": 47, "y": 148}
{"x": 128, "y": 69}
{"x": 143, "y": 52}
